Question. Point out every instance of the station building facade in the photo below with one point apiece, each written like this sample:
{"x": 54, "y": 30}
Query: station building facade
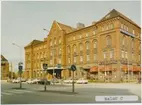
{"x": 108, "y": 50}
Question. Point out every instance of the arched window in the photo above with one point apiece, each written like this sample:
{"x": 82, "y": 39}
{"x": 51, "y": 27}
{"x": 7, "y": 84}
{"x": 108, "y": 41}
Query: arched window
{"x": 59, "y": 40}
{"x": 87, "y": 45}
{"x": 55, "y": 41}
{"x": 95, "y": 44}
{"x": 81, "y": 46}
{"x": 108, "y": 40}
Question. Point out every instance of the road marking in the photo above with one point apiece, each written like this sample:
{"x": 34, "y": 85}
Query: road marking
{"x": 5, "y": 93}
{"x": 19, "y": 91}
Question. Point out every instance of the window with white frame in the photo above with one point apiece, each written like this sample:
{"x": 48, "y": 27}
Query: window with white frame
{"x": 88, "y": 58}
{"x": 87, "y": 45}
{"x": 122, "y": 54}
{"x": 95, "y": 57}
{"x": 111, "y": 26}
{"x": 107, "y": 27}
{"x": 94, "y": 32}
{"x": 111, "y": 54}
{"x": 74, "y": 48}
{"x": 133, "y": 31}
{"x": 59, "y": 61}
{"x": 104, "y": 55}
{"x": 60, "y": 50}
{"x": 81, "y": 47}
{"x": 50, "y": 43}
{"x": 108, "y": 40}
{"x": 102, "y": 28}
{"x": 55, "y": 42}
{"x": 87, "y": 35}
{"x": 59, "y": 40}
{"x": 50, "y": 61}
{"x": 74, "y": 38}
{"x": 127, "y": 28}
{"x": 69, "y": 60}
{"x": 81, "y": 58}
{"x": 132, "y": 56}
{"x": 95, "y": 44}
{"x": 122, "y": 26}
{"x": 126, "y": 56}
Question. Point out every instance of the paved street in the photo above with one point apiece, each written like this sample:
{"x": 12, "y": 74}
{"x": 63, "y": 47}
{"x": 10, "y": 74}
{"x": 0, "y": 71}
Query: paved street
{"x": 84, "y": 93}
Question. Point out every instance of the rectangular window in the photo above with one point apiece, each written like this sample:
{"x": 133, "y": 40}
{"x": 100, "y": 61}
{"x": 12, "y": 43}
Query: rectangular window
{"x": 104, "y": 55}
{"x": 51, "y": 62}
{"x": 69, "y": 60}
{"x": 81, "y": 58}
{"x": 95, "y": 57}
{"x": 122, "y": 54}
{"x": 94, "y": 32}
{"x": 59, "y": 60}
{"x": 132, "y": 56}
{"x": 122, "y": 26}
{"x": 88, "y": 58}
{"x": 87, "y": 35}
{"x": 133, "y": 31}
{"x": 74, "y": 59}
{"x": 126, "y": 55}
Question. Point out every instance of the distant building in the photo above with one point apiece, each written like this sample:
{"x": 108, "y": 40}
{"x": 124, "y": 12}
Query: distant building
{"x": 108, "y": 50}
{"x": 4, "y": 68}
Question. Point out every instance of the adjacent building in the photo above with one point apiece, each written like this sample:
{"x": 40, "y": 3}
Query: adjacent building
{"x": 108, "y": 50}
{"x": 4, "y": 68}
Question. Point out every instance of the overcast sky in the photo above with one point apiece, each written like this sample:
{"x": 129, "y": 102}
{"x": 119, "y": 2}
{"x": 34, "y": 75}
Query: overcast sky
{"x": 21, "y": 22}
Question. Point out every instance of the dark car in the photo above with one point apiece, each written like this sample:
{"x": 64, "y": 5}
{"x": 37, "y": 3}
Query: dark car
{"x": 42, "y": 81}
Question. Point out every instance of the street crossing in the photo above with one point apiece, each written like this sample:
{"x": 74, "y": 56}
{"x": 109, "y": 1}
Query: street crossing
{"x": 13, "y": 92}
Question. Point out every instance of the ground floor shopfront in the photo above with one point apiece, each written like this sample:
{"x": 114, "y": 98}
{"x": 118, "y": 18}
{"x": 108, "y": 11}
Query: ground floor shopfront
{"x": 102, "y": 73}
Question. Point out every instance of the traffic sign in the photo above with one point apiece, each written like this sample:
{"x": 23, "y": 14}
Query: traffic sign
{"x": 45, "y": 66}
{"x": 20, "y": 66}
{"x": 73, "y": 67}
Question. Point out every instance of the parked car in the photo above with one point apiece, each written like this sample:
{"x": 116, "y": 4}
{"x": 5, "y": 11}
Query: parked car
{"x": 15, "y": 81}
{"x": 68, "y": 81}
{"x": 82, "y": 81}
{"x": 35, "y": 81}
{"x": 54, "y": 80}
{"x": 30, "y": 81}
{"x": 42, "y": 81}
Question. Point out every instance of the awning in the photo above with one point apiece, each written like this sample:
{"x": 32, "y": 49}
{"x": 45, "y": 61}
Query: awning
{"x": 136, "y": 68}
{"x": 51, "y": 68}
{"x": 86, "y": 67}
{"x": 94, "y": 69}
{"x": 106, "y": 68}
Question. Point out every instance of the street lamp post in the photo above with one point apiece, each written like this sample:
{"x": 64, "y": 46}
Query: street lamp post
{"x": 20, "y": 64}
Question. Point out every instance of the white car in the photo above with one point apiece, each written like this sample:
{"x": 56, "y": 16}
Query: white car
{"x": 68, "y": 81}
{"x": 82, "y": 81}
{"x": 29, "y": 81}
{"x": 16, "y": 81}
{"x": 35, "y": 81}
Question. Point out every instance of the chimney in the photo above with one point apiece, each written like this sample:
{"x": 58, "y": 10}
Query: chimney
{"x": 80, "y": 25}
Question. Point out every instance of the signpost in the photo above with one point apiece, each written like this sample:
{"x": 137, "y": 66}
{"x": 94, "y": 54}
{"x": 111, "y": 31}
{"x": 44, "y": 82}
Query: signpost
{"x": 20, "y": 67}
{"x": 73, "y": 68}
{"x": 45, "y": 66}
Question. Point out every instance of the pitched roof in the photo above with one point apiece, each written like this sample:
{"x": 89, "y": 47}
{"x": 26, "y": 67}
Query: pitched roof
{"x": 3, "y": 58}
{"x": 34, "y": 42}
{"x": 66, "y": 28}
{"x": 114, "y": 13}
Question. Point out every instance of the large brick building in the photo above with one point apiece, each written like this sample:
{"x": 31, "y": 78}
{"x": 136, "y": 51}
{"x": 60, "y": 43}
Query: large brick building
{"x": 107, "y": 50}
{"x": 4, "y": 68}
